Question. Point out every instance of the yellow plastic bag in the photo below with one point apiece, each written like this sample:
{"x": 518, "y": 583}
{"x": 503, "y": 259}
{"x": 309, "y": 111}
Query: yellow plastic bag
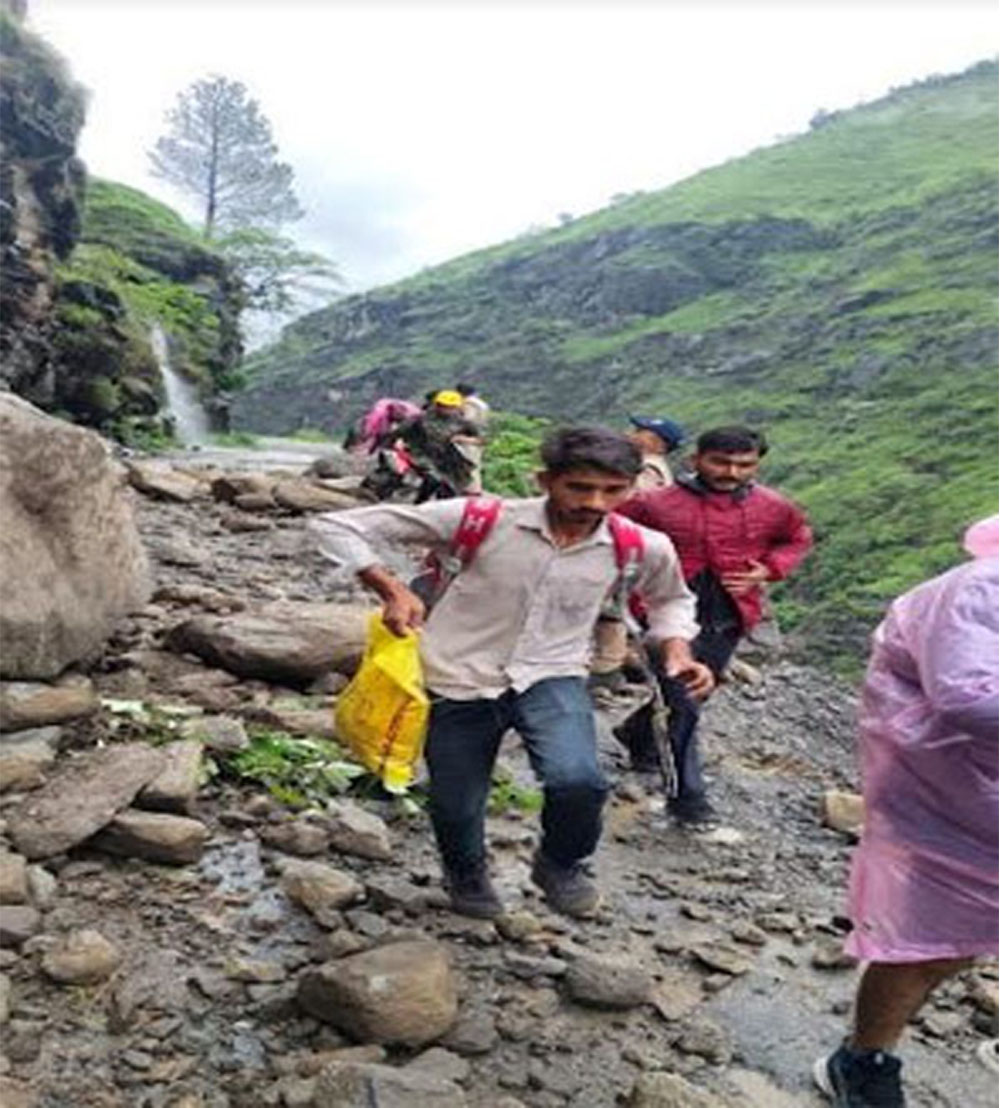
{"x": 382, "y": 714}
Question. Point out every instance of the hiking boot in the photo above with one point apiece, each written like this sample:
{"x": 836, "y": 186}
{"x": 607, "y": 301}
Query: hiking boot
{"x": 472, "y": 894}
{"x": 860, "y": 1078}
{"x": 692, "y": 810}
{"x": 567, "y": 888}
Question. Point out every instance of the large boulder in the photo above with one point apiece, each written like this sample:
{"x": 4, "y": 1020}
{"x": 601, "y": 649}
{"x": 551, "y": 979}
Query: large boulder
{"x": 71, "y": 560}
{"x": 287, "y": 642}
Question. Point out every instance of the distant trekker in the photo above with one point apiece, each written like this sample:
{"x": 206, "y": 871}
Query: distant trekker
{"x": 477, "y": 412}
{"x": 506, "y": 646}
{"x": 656, "y": 438}
{"x": 437, "y": 439}
{"x": 732, "y": 536}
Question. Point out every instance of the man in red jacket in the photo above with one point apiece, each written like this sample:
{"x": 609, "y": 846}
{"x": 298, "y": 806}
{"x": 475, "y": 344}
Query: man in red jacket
{"x": 732, "y": 535}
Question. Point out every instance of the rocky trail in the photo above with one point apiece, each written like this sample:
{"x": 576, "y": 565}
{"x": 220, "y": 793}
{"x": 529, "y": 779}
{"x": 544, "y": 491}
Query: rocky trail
{"x": 174, "y": 936}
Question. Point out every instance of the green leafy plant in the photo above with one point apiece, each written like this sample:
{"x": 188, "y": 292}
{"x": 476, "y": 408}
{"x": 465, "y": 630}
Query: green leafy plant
{"x": 297, "y": 772}
{"x": 506, "y": 794}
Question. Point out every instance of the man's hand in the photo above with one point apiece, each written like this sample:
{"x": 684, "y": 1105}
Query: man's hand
{"x": 743, "y": 581}
{"x": 402, "y": 610}
{"x": 679, "y": 663}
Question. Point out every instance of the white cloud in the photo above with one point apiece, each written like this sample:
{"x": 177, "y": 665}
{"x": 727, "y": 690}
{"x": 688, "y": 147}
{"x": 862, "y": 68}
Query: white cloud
{"x": 421, "y": 130}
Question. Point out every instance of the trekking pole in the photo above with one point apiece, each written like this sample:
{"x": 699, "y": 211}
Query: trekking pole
{"x": 660, "y": 713}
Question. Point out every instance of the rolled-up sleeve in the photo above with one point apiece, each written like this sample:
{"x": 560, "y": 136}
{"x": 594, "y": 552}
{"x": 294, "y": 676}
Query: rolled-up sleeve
{"x": 356, "y": 539}
{"x": 670, "y": 604}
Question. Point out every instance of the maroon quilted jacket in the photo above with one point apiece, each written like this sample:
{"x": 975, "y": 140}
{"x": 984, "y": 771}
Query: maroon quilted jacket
{"x": 723, "y": 532}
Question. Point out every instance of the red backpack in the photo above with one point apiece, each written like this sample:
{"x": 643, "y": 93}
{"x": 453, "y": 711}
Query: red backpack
{"x": 479, "y": 518}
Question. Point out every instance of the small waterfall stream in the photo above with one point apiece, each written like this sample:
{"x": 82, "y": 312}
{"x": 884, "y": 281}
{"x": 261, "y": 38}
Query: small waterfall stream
{"x": 190, "y": 421}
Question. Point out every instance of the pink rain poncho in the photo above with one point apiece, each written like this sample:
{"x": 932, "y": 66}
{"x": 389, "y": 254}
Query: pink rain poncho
{"x": 924, "y": 877}
{"x": 381, "y": 417}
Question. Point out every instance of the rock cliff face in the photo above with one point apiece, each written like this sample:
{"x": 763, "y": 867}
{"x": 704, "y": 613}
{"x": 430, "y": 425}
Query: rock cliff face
{"x": 89, "y": 266}
{"x": 41, "y": 187}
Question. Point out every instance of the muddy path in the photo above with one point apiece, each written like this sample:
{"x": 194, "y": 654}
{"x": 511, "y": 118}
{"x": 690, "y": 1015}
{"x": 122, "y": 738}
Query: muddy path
{"x": 736, "y": 931}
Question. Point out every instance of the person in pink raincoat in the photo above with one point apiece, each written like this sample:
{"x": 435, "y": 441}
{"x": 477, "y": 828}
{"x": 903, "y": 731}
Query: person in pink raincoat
{"x": 923, "y": 888}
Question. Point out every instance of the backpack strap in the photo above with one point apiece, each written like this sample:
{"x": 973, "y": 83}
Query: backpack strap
{"x": 479, "y": 516}
{"x": 629, "y": 551}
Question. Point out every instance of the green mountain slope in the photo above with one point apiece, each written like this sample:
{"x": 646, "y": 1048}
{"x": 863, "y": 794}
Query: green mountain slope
{"x": 838, "y": 289}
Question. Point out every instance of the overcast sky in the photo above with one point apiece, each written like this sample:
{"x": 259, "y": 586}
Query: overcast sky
{"x": 419, "y": 131}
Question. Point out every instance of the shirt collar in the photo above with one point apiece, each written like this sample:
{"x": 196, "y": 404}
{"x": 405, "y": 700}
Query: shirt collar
{"x": 531, "y": 516}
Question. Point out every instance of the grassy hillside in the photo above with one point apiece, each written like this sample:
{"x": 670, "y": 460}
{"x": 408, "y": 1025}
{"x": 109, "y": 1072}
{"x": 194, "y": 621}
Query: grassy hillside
{"x": 838, "y": 289}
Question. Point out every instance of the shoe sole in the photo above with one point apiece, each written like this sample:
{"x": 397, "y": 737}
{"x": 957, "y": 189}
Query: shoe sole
{"x": 821, "y": 1075}
{"x": 485, "y": 913}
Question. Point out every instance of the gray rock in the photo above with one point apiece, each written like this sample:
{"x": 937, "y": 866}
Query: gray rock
{"x": 474, "y": 1033}
{"x": 82, "y": 797}
{"x": 843, "y": 811}
{"x": 518, "y": 926}
{"x": 321, "y": 889}
{"x": 81, "y": 958}
{"x": 302, "y": 495}
{"x": 829, "y": 954}
{"x": 163, "y": 482}
{"x": 719, "y": 956}
{"x": 155, "y": 836}
{"x": 71, "y": 560}
{"x": 297, "y": 836}
{"x": 387, "y": 893}
{"x": 602, "y": 982}
{"x": 13, "y": 879}
{"x": 28, "y": 705}
{"x": 221, "y": 734}
{"x": 441, "y": 1063}
{"x": 23, "y": 765}
{"x": 707, "y": 1040}
{"x": 286, "y": 642}
{"x": 668, "y": 1090}
{"x": 355, "y": 831}
{"x": 401, "y": 993}
{"x": 4, "y": 998}
{"x": 175, "y": 789}
{"x": 357, "y": 1085}
{"x": 18, "y": 922}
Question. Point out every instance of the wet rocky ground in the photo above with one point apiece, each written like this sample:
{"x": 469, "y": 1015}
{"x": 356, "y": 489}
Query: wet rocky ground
{"x": 174, "y": 936}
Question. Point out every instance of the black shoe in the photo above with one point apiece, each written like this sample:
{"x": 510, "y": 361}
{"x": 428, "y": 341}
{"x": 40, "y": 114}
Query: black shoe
{"x": 692, "y": 810}
{"x": 567, "y": 888}
{"x": 472, "y": 894}
{"x": 860, "y": 1078}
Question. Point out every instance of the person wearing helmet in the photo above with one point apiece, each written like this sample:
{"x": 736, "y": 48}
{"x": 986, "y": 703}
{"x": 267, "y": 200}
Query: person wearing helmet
{"x": 435, "y": 439}
{"x": 656, "y": 438}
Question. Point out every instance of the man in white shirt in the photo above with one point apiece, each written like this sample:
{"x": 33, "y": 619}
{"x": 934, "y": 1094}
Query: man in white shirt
{"x": 507, "y": 645}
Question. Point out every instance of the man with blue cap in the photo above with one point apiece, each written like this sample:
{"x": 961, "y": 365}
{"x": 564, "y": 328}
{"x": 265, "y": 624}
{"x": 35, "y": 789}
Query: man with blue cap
{"x": 656, "y": 438}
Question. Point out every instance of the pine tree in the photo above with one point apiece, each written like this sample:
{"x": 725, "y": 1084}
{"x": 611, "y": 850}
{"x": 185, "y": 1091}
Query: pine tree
{"x": 220, "y": 150}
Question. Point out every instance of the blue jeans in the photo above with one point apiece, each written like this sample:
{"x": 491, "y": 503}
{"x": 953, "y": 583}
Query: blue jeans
{"x": 556, "y": 722}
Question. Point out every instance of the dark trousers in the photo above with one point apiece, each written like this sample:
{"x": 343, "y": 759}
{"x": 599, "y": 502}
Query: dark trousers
{"x": 721, "y": 629}
{"x": 556, "y": 722}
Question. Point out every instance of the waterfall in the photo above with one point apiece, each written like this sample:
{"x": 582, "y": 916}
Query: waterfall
{"x": 183, "y": 406}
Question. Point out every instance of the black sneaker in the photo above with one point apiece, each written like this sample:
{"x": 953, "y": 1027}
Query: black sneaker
{"x": 472, "y": 894}
{"x": 693, "y": 810}
{"x": 860, "y": 1078}
{"x": 567, "y": 889}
